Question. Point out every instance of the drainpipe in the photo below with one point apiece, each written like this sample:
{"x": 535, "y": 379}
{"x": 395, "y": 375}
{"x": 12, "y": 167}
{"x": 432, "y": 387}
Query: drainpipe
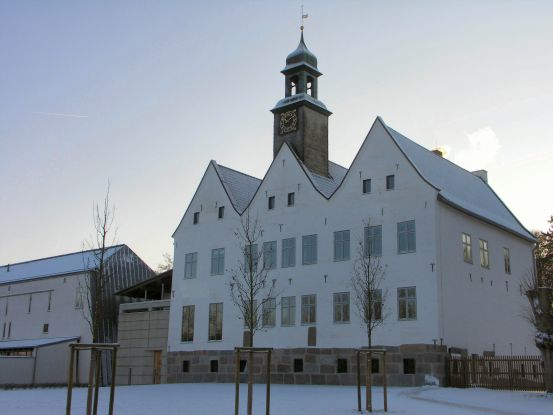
{"x": 34, "y": 366}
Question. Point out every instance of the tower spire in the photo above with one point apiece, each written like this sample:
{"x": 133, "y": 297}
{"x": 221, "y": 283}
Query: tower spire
{"x": 303, "y": 17}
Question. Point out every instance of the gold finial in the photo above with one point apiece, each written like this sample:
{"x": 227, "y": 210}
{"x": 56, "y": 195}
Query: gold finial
{"x": 303, "y": 17}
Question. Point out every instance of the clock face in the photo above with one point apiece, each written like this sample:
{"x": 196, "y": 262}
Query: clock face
{"x": 288, "y": 121}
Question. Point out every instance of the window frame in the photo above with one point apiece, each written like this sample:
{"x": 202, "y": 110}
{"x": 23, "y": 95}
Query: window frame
{"x": 190, "y": 265}
{"x": 342, "y": 245}
{"x": 271, "y": 203}
{"x": 341, "y": 308}
{"x": 288, "y": 252}
{"x": 221, "y": 212}
{"x": 190, "y": 317}
{"x": 196, "y": 218}
{"x": 484, "y": 253}
{"x": 309, "y": 249}
{"x": 291, "y": 200}
{"x": 371, "y": 232}
{"x": 405, "y": 233}
{"x": 270, "y": 253}
{"x": 310, "y": 307}
{"x": 507, "y": 260}
{"x": 217, "y": 261}
{"x": 268, "y": 313}
{"x": 215, "y": 322}
{"x": 366, "y": 186}
{"x": 408, "y": 300}
{"x": 390, "y": 182}
{"x": 466, "y": 242}
{"x": 288, "y": 309}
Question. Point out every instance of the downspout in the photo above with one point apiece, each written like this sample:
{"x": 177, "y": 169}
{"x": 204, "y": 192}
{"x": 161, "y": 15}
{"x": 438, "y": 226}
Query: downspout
{"x": 441, "y": 304}
{"x": 34, "y": 366}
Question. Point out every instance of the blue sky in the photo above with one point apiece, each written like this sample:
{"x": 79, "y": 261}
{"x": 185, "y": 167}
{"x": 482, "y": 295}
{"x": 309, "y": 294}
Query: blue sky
{"x": 145, "y": 93}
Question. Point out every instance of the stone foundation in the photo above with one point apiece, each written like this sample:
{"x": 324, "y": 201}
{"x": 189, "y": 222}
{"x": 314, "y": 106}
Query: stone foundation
{"x": 318, "y": 366}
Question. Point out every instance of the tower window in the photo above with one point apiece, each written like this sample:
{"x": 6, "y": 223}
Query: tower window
{"x": 293, "y": 85}
{"x": 310, "y": 86}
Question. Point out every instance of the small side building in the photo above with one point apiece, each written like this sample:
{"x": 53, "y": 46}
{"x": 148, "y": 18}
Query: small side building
{"x": 143, "y": 330}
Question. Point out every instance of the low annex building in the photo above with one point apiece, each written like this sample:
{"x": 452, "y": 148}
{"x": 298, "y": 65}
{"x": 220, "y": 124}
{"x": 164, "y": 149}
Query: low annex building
{"x": 454, "y": 254}
{"x": 44, "y": 307}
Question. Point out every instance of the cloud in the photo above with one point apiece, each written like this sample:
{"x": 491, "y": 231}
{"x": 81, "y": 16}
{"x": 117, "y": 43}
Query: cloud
{"x": 483, "y": 146}
{"x": 58, "y": 114}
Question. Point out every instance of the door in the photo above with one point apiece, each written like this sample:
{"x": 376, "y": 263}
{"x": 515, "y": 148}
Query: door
{"x": 157, "y": 367}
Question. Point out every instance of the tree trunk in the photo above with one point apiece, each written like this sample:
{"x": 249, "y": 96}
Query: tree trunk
{"x": 547, "y": 353}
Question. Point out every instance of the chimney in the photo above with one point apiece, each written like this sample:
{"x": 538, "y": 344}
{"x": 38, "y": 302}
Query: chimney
{"x": 483, "y": 174}
{"x": 438, "y": 152}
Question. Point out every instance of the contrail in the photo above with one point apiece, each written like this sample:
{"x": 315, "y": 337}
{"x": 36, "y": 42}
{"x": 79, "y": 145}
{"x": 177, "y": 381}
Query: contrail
{"x": 58, "y": 114}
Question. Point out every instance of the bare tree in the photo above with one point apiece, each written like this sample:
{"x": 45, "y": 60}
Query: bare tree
{"x": 366, "y": 280}
{"x": 249, "y": 289}
{"x": 166, "y": 264}
{"x": 97, "y": 279}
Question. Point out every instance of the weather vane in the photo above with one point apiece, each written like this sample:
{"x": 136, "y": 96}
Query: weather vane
{"x": 303, "y": 17}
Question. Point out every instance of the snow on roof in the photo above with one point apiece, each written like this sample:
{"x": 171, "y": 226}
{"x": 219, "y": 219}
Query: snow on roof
{"x": 457, "y": 186}
{"x": 240, "y": 187}
{"x": 328, "y": 185}
{"x": 31, "y": 343}
{"x": 56, "y": 265}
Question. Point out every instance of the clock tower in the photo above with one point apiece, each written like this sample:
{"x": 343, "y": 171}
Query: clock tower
{"x": 300, "y": 118}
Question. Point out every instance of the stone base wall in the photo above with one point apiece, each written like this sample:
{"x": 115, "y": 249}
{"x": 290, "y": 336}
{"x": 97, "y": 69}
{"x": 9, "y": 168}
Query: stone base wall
{"x": 319, "y": 366}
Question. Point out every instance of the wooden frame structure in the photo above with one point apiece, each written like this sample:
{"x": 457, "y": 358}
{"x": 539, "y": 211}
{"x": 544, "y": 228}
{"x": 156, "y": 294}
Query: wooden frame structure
{"x": 368, "y": 372}
{"x": 94, "y": 374}
{"x": 251, "y": 351}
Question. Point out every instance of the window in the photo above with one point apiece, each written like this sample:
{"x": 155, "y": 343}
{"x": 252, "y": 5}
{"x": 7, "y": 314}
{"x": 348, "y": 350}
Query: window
{"x": 507, "y": 260}
{"x": 49, "y": 301}
{"x": 79, "y": 297}
{"x": 45, "y": 327}
{"x": 373, "y": 240}
{"x": 186, "y": 366}
{"x": 291, "y": 199}
{"x": 214, "y": 366}
{"x": 367, "y": 186}
{"x": 187, "y": 332}
{"x": 196, "y": 218}
{"x": 407, "y": 303}
{"x": 190, "y": 265}
{"x": 218, "y": 261}
{"x": 215, "y": 321}
{"x": 342, "y": 366}
{"x": 269, "y": 312}
{"x": 409, "y": 366}
{"x": 269, "y": 255}
{"x": 271, "y": 202}
{"x": 221, "y": 212}
{"x": 341, "y": 307}
{"x": 341, "y": 245}
{"x": 30, "y": 303}
{"x": 288, "y": 311}
{"x": 309, "y": 249}
{"x": 375, "y": 366}
{"x": 390, "y": 182}
{"x": 309, "y": 309}
{"x": 467, "y": 247}
{"x": 406, "y": 238}
{"x": 250, "y": 258}
{"x": 298, "y": 365}
{"x": 376, "y": 305}
{"x": 288, "y": 252}
{"x": 484, "y": 254}
{"x": 243, "y": 365}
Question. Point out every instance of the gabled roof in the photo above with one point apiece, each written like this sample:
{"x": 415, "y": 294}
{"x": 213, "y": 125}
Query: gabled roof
{"x": 52, "y": 266}
{"x": 240, "y": 187}
{"x": 32, "y": 343}
{"x": 458, "y": 187}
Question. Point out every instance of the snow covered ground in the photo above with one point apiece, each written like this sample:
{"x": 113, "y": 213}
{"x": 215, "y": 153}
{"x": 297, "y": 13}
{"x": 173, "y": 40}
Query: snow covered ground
{"x": 209, "y": 398}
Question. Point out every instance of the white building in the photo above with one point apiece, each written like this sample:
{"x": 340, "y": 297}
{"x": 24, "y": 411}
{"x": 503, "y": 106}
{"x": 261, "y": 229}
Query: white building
{"x": 43, "y": 307}
{"x": 454, "y": 253}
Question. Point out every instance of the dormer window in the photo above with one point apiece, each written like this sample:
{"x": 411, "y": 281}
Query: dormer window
{"x": 196, "y": 218}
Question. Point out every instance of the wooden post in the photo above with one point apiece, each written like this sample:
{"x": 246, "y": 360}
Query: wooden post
{"x": 268, "y": 397}
{"x": 97, "y": 376}
{"x": 250, "y": 383}
{"x": 237, "y": 382}
{"x": 385, "y": 382}
{"x": 112, "y": 389}
{"x": 368, "y": 386}
{"x": 358, "y": 382}
{"x": 70, "y": 381}
{"x": 90, "y": 383}
{"x": 130, "y": 375}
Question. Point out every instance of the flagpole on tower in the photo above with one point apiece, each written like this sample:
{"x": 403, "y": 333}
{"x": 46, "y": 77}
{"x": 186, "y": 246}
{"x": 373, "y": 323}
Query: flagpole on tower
{"x": 303, "y": 17}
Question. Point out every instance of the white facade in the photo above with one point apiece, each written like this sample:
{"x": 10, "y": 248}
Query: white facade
{"x": 461, "y": 304}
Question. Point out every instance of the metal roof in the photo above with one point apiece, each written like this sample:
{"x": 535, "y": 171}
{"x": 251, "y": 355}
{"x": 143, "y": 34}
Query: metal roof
{"x": 32, "y": 343}
{"x": 57, "y": 265}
